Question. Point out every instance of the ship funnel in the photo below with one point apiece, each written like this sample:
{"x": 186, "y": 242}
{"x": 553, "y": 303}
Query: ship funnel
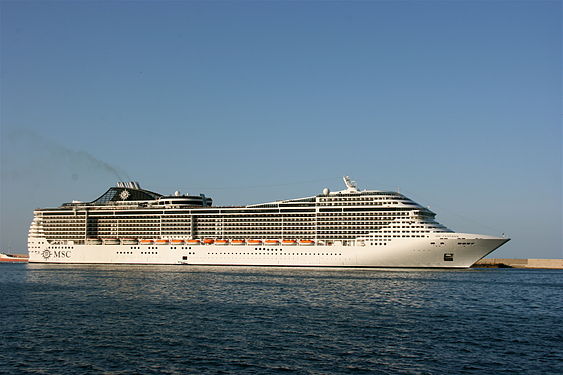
{"x": 129, "y": 184}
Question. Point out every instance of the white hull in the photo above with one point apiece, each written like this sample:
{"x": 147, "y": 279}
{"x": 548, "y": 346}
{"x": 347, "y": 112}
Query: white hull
{"x": 445, "y": 250}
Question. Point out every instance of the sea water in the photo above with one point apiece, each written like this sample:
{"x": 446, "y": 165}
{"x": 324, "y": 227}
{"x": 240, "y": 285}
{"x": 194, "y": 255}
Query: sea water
{"x": 57, "y": 319}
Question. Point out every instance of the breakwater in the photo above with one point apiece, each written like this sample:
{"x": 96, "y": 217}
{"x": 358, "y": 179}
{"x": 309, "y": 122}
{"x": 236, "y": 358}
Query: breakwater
{"x": 520, "y": 263}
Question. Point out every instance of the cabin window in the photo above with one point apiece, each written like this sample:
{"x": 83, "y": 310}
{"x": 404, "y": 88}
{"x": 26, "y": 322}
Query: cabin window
{"x": 448, "y": 257}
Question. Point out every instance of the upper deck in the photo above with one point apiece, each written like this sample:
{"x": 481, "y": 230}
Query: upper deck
{"x": 130, "y": 212}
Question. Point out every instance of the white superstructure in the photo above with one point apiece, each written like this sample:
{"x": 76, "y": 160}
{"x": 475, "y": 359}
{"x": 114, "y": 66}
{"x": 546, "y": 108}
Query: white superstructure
{"x": 348, "y": 228}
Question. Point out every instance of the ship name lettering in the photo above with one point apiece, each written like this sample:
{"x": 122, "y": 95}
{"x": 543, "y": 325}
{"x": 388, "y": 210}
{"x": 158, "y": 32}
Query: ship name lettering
{"x": 61, "y": 254}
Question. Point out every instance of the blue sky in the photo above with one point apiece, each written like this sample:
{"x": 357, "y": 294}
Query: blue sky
{"x": 456, "y": 103}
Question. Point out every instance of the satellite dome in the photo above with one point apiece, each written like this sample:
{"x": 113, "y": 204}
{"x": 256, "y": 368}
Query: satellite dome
{"x": 326, "y": 191}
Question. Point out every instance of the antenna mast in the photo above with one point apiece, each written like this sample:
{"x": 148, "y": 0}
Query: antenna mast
{"x": 351, "y": 186}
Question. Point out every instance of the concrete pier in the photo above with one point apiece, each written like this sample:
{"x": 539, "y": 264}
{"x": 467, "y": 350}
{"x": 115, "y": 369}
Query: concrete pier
{"x": 519, "y": 263}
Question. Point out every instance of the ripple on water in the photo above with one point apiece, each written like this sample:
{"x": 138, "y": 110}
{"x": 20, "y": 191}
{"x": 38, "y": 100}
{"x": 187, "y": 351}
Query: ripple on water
{"x": 177, "y": 320}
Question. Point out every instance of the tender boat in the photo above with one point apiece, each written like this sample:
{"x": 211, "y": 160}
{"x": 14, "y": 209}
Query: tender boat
{"x": 94, "y": 241}
{"x": 289, "y": 242}
{"x": 306, "y": 242}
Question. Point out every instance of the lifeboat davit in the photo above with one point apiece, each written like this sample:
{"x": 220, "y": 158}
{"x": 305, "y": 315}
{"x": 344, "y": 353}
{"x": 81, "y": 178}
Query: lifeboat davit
{"x": 161, "y": 242}
{"x": 289, "y": 242}
{"x": 146, "y": 242}
{"x": 254, "y": 242}
{"x": 237, "y": 242}
{"x": 193, "y": 242}
{"x": 208, "y": 241}
{"x": 306, "y": 242}
{"x": 177, "y": 242}
{"x": 272, "y": 242}
{"x": 222, "y": 242}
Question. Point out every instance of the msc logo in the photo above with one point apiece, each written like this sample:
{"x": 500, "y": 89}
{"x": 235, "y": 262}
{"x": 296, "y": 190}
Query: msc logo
{"x": 61, "y": 254}
{"x": 46, "y": 254}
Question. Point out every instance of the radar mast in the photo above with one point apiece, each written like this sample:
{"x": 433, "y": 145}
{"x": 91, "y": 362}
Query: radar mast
{"x": 351, "y": 186}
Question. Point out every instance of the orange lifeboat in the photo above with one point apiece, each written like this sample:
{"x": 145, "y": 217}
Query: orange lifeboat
{"x": 208, "y": 241}
{"x": 193, "y": 242}
{"x": 161, "y": 242}
{"x": 237, "y": 242}
{"x": 255, "y": 242}
{"x": 289, "y": 242}
{"x": 272, "y": 242}
{"x": 146, "y": 242}
{"x": 222, "y": 242}
{"x": 177, "y": 242}
{"x": 306, "y": 242}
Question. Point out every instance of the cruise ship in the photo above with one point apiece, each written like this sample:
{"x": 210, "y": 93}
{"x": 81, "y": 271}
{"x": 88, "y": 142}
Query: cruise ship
{"x": 347, "y": 228}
